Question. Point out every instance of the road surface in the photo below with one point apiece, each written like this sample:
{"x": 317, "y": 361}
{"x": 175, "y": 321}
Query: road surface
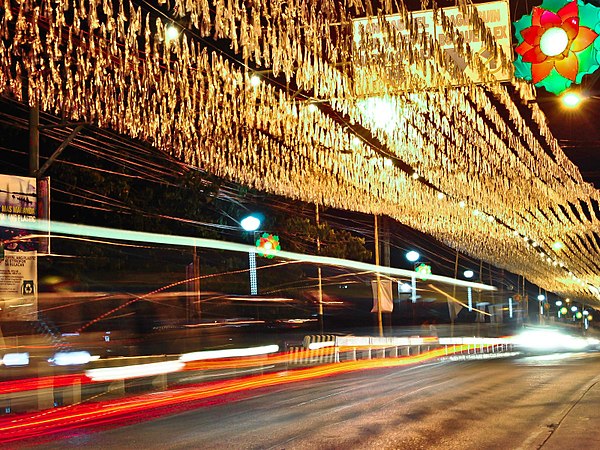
{"x": 547, "y": 402}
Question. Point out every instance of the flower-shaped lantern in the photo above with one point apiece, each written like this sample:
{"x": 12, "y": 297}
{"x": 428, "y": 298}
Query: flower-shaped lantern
{"x": 424, "y": 271}
{"x": 267, "y": 245}
{"x": 558, "y": 44}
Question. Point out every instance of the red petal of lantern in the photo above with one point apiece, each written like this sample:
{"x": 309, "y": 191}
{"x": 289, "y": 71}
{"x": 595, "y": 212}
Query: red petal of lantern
{"x": 571, "y": 26}
{"x": 569, "y": 10}
{"x": 568, "y": 67}
{"x": 532, "y": 35}
{"x": 534, "y": 56}
{"x": 536, "y": 16}
{"x": 550, "y": 19}
{"x": 584, "y": 38}
{"x": 541, "y": 71}
{"x": 523, "y": 48}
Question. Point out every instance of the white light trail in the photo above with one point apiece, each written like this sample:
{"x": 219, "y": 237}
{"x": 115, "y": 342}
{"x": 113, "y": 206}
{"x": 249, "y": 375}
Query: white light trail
{"x": 186, "y": 241}
{"x": 228, "y": 353}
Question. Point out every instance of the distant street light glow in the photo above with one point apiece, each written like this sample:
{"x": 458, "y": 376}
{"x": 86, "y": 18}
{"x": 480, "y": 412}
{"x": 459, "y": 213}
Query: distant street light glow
{"x": 468, "y": 273}
{"x": 571, "y": 99}
{"x": 405, "y": 287}
{"x": 255, "y": 80}
{"x": 171, "y": 33}
{"x": 412, "y": 256}
{"x": 250, "y": 223}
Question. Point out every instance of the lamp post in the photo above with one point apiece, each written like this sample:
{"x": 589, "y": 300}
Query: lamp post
{"x": 468, "y": 274}
{"x": 559, "y": 304}
{"x": 574, "y": 311}
{"x": 413, "y": 257}
{"x": 251, "y": 224}
{"x": 541, "y": 299}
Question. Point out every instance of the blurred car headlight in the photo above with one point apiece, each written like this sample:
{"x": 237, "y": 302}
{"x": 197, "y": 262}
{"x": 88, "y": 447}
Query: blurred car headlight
{"x": 77, "y": 358}
{"x": 15, "y": 359}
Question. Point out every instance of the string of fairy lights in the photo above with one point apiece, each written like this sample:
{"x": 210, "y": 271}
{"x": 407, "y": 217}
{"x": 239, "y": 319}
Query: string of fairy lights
{"x": 487, "y": 177}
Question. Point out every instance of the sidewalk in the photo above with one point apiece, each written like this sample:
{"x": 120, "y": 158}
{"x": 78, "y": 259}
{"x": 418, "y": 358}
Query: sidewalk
{"x": 580, "y": 427}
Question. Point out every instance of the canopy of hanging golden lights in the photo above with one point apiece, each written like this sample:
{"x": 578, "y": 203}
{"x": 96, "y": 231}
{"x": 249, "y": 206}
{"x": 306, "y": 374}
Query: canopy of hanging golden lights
{"x": 298, "y": 98}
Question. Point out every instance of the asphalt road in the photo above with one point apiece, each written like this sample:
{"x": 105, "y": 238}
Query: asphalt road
{"x": 522, "y": 402}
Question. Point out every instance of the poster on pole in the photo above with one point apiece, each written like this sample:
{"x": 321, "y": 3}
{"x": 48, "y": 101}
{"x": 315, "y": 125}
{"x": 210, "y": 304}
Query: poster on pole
{"x": 387, "y": 298}
{"x": 18, "y": 258}
{"x": 18, "y": 286}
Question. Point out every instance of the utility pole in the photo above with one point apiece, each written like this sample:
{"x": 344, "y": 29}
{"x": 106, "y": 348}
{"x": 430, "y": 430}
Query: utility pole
{"x": 379, "y": 316}
{"x": 196, "y": 298}
{"x": 451, "y": 309}
{"x": 34, "y": 139}
{"x": 319, "y": 269}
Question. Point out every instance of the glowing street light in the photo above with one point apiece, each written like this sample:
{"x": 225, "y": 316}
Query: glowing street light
{"x": 171, "y": 33}
{"x": 413, "y": 257}
{"x": 254, "y": 80}
{"x": 468, "y": 274}
{"x": 571, "y": 99}
{"x": 251, "y": 224}
{"x": 405, "y": 287}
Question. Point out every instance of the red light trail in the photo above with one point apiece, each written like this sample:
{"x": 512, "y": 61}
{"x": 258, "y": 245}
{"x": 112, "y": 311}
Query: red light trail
{"x": 143, "y": 407}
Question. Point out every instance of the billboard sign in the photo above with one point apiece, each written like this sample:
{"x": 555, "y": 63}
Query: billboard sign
{"x": 18, "y": 267}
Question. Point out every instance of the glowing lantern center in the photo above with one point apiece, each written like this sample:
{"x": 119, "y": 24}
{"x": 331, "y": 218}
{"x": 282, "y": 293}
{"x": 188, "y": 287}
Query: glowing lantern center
{"x": 554, "y": 41}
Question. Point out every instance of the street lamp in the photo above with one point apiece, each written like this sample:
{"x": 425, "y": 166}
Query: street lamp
{"x": 251, "y": 224}
{"x": 468, "y": 274}
{"x": 541, "y": 298}
{"x": 413, "y": 257}
{"x": 571, "y": 99}
{"x": 559, "y": 304}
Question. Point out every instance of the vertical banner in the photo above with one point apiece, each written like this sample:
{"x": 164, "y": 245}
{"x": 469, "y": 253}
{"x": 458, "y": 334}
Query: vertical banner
{"x": 454, "y": 309}
{"x": 387, "y": 299}
{"x": 18, "y": 264}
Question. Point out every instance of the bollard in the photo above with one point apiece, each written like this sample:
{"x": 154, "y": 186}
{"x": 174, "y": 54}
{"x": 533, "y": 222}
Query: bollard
{"x": 117, "y": 386}
{"x": 72, "y": 393}
{"x": 45, "y": 395}
{"x": 160, "y": 382}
